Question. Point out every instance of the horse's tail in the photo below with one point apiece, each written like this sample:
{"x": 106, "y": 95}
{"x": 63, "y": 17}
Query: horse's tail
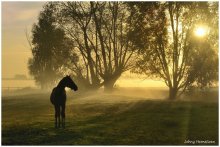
{"x": 52, "y": 96}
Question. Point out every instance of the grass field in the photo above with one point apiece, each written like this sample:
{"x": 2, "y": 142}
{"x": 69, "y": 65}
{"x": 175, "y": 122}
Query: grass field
{"x": 121, "y": 118}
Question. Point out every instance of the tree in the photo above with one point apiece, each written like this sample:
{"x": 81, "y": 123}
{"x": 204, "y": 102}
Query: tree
{"x": 203, "y": 63}
{"x": 50, "y": 49}
{"x": 169, "y": 48}
{"x": 99, "y": 33}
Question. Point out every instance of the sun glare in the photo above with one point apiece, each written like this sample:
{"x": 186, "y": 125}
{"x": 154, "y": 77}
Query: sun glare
{"x": 200, "y": 31}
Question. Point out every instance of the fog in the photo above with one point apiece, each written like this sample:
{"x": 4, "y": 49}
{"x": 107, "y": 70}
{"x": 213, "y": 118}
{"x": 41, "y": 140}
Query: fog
{"x": 128, "y": 87}
{"x": 117, "y": 95}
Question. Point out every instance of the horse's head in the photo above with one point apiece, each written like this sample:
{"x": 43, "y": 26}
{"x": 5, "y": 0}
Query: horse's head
{"x": 70, "y": 84}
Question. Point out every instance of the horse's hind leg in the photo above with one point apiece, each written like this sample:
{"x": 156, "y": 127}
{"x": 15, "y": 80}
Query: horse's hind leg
{"x": 63, "y": 115}
{"x": 57, "y": 116}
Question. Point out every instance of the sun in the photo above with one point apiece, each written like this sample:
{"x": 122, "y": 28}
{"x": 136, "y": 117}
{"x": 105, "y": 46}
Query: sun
{"x": 200, "y": 31}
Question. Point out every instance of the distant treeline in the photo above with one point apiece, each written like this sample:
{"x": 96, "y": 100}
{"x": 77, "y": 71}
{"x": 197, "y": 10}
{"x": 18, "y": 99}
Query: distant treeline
{"x": 16, "y": 79}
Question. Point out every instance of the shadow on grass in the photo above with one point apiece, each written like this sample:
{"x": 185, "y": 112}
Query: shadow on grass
{"x": 203, "y": 123}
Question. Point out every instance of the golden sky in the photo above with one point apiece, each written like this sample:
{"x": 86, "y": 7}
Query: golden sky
{"x": 16, "y": 18}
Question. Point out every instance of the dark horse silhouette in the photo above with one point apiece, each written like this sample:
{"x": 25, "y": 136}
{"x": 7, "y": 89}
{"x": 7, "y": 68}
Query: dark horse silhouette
{"x": 58, "y": 98}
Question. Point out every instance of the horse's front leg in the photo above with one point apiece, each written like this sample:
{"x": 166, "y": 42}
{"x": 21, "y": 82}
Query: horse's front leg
{"x": 63, "y": 115}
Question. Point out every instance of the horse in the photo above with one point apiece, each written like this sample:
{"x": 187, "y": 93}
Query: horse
{"x": 58, "y": 99}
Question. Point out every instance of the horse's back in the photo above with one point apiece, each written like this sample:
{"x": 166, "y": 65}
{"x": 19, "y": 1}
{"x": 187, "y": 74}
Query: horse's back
{"x": 58, "y": 97}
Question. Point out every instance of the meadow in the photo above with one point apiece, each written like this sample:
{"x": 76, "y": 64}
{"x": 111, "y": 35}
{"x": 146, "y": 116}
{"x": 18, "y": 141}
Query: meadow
{"x": 123, "y": 117}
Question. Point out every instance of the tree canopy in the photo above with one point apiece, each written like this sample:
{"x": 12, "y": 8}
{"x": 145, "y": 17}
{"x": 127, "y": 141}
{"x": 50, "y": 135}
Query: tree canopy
{"x": 50, "y": 49}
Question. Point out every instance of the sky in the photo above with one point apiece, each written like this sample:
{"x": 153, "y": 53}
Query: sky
{"x": 16, "y": 18}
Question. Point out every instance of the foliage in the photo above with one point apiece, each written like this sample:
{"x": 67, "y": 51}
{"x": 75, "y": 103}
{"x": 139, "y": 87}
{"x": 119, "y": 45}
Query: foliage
{"x": 203, "y": 65}
{"x": 50, "y": 49}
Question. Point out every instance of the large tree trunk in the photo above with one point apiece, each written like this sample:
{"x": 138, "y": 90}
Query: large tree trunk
{"x": 172, "y": 93}
{"x": 108, "y": 86}
{"x": 109, "y": 83}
